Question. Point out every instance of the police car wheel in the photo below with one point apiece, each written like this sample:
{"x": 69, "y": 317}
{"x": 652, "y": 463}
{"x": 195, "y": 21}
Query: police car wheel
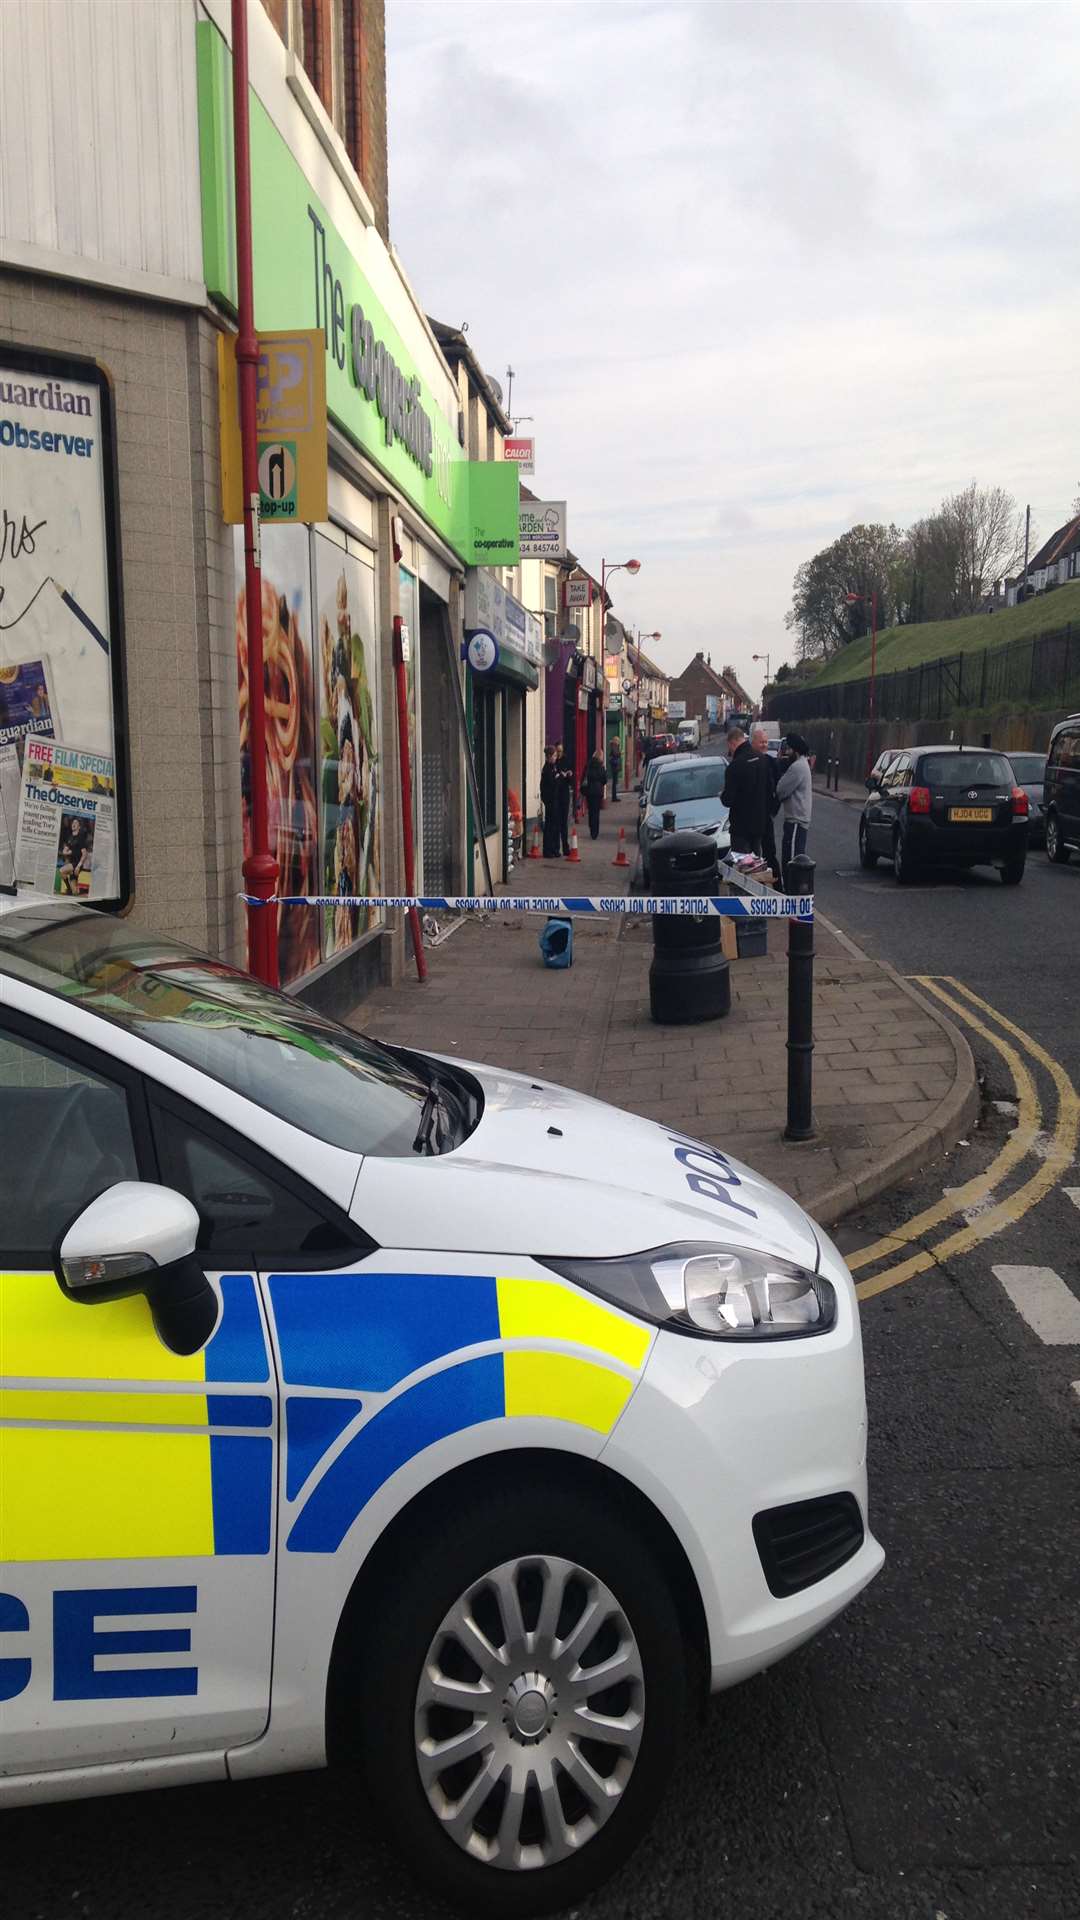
{"x": 530, "y": 1690}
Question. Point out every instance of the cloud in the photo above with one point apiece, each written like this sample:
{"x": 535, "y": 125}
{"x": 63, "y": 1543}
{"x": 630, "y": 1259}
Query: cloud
{"x": 761, "y": 270}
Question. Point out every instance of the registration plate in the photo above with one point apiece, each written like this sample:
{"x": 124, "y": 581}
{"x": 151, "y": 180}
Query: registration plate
{"x": 971, "y": 813}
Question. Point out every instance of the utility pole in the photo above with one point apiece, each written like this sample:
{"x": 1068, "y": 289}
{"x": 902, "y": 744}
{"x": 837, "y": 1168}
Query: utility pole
{"x": 1027, "y": 543}
{"x": 260, "y": 868}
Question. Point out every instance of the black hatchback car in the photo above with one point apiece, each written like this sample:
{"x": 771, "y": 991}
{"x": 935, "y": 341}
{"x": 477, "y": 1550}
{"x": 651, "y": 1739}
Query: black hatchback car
{"x": 946, "y": 806}
{"x": 1062, "y": 790}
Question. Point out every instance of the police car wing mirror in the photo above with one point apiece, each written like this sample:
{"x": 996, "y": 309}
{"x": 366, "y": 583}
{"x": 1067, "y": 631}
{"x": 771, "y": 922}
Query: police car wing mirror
{"x": 137, "y": 1237}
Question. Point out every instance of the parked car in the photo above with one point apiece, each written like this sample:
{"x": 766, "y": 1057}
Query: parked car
{"x": 449, "y": 1443}
{"x": 649, "y": 776}
{"x": 1061, "y": 798}
{"x": 1030, "y": 772}
{"x": 946, "y": 806}
{"x": 690, "y": 789}
{"x": 881, "y": 765}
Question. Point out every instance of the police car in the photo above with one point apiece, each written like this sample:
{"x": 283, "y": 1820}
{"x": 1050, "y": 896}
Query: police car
{"x": 361, "y": 1406}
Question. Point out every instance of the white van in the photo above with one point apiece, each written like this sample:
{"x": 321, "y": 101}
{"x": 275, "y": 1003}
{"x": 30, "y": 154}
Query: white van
{"x": 689, "y": 735}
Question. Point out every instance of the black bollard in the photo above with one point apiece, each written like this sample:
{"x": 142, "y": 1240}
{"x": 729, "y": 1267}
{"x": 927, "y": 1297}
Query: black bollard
{"x": 799, "y": 878}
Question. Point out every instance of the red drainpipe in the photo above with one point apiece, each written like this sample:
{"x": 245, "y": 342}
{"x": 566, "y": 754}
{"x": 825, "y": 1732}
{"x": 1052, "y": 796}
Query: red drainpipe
{"x": 406, "y": 796}
{"x": 260, "y": 868}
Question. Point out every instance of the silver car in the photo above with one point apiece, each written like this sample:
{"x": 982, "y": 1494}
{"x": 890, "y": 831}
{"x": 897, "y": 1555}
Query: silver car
{"x": 689, "y": 789}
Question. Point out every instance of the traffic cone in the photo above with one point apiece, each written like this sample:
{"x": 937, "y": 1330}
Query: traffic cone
{"x": 573, "y": 853}
{"x": 621, "y": 859}
{"x": 534, "y": 852}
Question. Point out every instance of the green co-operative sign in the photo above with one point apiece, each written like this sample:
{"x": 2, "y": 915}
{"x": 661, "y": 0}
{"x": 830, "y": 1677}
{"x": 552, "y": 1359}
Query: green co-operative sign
{"x": 306, "y": 276}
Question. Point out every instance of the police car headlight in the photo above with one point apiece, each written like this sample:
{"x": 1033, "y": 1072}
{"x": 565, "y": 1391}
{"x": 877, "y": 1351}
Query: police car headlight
{"x": 725, "y": 1292}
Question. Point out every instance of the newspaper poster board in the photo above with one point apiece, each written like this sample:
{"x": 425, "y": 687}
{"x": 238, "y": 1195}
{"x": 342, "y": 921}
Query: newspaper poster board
{"x": 10, "y": 776}
{"x": 59, "y": 598}
{"x": 66, "y": 836}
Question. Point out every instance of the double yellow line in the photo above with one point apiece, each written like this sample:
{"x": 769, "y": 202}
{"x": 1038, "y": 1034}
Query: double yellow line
{"x": 986, "y": 1216}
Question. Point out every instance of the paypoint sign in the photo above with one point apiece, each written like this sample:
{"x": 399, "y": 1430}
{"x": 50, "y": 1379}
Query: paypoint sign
{"x": 290, "y": 420}
{"x": 308, "y": 278}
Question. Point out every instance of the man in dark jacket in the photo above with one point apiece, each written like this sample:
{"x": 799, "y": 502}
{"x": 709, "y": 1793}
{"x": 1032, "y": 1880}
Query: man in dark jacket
{"x": 746, "y": 794}
{"x": 759, "y": 740}
{"x": 549, "y": 800}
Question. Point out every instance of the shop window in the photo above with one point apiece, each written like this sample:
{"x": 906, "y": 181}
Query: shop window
{"x": 485, "y": 746}
{"x": 322, "y": 52}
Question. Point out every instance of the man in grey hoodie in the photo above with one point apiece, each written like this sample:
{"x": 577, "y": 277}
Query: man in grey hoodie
{"x": 794, "y": 791}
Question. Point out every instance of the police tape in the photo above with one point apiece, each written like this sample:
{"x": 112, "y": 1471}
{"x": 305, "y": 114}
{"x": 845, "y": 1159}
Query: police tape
{"x": 764, "y": 906}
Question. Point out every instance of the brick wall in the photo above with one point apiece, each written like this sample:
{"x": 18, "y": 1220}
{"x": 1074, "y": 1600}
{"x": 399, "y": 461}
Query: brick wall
{"x": 364, "y": 36}
{"x": 176, "y": 572}
{"x": 693, "y": 686}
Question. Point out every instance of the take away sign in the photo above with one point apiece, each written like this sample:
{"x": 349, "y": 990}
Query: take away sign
{"x": 290, "y": 413}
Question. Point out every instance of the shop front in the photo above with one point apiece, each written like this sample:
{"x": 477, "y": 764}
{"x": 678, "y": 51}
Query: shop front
{"x": 503, "y": 671}
{"x": 408, "y": 513}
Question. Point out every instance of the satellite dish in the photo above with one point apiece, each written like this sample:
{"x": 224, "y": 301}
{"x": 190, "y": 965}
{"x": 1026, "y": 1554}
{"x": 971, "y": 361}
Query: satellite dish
{"x": 613, "y": 640}
{"x": 570, "y": 632}
{"x": 552, "y": 651}
{"x": 495, "y": 388}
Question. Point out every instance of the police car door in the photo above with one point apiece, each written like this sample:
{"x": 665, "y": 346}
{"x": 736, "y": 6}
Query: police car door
{"x": 136, "y": 1483}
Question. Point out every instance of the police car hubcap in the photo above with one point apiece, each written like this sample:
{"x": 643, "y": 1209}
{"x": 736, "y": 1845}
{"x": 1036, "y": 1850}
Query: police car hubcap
{"x": 529, "y": 1713}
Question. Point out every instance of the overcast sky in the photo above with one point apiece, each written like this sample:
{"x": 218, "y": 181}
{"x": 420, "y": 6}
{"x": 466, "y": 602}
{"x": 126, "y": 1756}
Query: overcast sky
{"x": 762, "y": 270}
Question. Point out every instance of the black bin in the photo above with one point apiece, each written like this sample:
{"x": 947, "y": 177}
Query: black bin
{"x": 688, "y": 978}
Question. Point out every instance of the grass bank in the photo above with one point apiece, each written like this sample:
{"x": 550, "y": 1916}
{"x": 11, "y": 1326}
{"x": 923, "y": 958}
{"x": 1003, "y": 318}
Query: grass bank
{"x": 900, "y": 647}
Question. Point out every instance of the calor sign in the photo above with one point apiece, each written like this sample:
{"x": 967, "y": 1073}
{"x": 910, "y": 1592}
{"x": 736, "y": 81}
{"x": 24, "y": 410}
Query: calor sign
{"x": 523, "y": 451}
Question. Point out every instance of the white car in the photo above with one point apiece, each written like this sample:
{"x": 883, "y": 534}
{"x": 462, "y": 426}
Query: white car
{"x": 364, "y": 1406}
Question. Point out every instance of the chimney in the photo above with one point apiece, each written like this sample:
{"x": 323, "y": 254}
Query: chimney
{"x": 701, "y": 653}
{"x": 708, "y": 662}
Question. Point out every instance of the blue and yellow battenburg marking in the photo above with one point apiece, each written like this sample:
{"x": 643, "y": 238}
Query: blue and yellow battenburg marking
{"x": 354, "y": 1333}
{"x": 109, "y": 1451}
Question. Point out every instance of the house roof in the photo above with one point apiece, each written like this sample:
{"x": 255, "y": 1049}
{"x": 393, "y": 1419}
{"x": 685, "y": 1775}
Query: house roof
{"x": 699, "y": 661}
{"x": 646, "y": 665}
{"x": 456, "y": 348}
{"x": 1064, "y": 541}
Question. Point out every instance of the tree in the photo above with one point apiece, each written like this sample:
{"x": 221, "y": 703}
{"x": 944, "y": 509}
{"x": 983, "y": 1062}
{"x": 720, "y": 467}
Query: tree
{"x": 988, "y": 538}
{"x": 954, "y": 556}
{"x": 863, "y": 562}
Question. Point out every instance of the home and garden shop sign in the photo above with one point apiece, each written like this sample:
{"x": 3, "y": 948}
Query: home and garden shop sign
{"x": 306, "y": 276}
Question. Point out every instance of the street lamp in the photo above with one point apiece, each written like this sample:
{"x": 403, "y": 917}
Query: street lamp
{"x": 854, "y": 600}
{"x": 637, "y": 688}
{"x": 606, "y": 570}
{"x": 765, "y": 657}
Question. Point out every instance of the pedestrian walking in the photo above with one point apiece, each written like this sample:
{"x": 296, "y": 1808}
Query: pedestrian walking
{"x": 744, "y": 795}
{"x": 564, "y": 774}
{"x": 614, "y": 754}
{"x": 549, "y": 801}
{"x": 794, "y": 790}
{"x": 759, "y": 740}
{"x": 593, "y": 784}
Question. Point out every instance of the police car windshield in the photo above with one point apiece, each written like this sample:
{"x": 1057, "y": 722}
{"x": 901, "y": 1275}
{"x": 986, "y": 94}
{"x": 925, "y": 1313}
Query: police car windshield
{"x": 271, "y": 1049}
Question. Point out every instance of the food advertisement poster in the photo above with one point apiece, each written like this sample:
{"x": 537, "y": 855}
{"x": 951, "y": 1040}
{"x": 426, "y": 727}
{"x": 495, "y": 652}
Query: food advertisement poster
{"x": 289, "y": 683}
{"x": 348, "y": 740}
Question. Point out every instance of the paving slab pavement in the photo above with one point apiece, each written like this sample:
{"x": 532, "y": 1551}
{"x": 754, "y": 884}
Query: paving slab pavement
{"x": 893, "y": 1079}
